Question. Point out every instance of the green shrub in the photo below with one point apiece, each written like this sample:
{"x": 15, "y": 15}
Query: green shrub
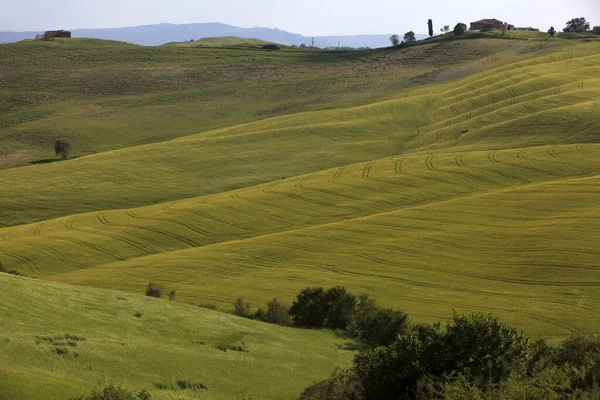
{"x": 154, "y": 290}
{"x": 342, "y": 385}
{"x": 191, "y": 385}
{"x": 115, "y": 393}
{"x": 62, "y": 147}
{"x": 477, "y": 346}
{"x": 241, "y": 308}
{"x": 277, "y": 313}
{"x": 319, "y": 308}
{"x": 376, "y": 326}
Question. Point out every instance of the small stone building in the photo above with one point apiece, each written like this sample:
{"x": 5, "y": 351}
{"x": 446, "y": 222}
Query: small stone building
{"x": 56, "y": 34}
{"x": 486, "y": 25}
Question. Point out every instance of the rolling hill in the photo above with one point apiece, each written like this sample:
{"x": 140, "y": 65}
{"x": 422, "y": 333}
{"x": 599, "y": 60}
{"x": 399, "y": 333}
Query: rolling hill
{"x": 452, "y": 175}
{"x": 154, "y": 35}
{"x": 103, "y": 96}
{"x": 142, "y": 342}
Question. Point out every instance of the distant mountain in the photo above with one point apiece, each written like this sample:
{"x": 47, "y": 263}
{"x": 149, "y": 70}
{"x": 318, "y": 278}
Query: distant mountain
{"x": 154, "y": 35}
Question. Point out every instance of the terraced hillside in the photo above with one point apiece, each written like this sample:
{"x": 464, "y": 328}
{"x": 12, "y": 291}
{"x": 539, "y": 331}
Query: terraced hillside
{"x": 147, "y": 343}
{"x": 480, "y": 193}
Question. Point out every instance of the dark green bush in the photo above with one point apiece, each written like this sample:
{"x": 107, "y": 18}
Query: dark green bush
{"x": 241, "y": 308}
{"x": 182, "y": 384}
{"x": 154, "y": 290}
{"x": 277, "y": 313}
{"x": 319, "y": 308}
{"x": 478, "y": 347}
{"x": 375, "y": 326}
{"x": 115, "y": 393}
{"x": 342, "y": 385}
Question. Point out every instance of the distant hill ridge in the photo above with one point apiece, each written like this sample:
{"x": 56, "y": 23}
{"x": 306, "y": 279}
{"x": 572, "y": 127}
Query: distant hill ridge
{"x": 154, "y": 35}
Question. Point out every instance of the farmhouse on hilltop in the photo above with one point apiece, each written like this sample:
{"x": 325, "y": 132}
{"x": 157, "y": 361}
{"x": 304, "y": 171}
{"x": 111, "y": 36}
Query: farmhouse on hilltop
{"x": 486, "y": 25}
{"x": 56, "y": 34}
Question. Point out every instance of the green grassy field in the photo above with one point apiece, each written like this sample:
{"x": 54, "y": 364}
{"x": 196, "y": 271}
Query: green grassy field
{"x": 141, "y": 342}
{"x": 224, "y": 41}
{"x": 105, "y": 95}
{"x": 459, "y": 174}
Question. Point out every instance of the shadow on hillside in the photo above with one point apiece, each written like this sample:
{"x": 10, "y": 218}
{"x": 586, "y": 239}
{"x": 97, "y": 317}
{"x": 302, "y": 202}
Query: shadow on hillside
{"x": 45, "y": 161}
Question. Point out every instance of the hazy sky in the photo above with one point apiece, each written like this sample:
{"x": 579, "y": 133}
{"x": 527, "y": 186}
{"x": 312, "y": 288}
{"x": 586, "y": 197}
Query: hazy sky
{"x": 309, "y": 17}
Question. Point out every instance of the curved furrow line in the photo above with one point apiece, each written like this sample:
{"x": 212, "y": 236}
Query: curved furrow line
{"x": 367, "y": 170}
{"x": 34, "y": 268}
{"x": 429, "y": 163}
{"x": 38, "y": 229}
{"x": 103, "y": 220}
{"x": 521, "y": 154}
{"x": 89, "y": 245}
{"x": 502, "y": 174}
{"x": 119, "y": 238}
{"x": 172, "y": 235}
{"x": 454, "y": 110}
{"x": 529, "y": 107}
{"x": 302, "y": 181}
{"x": 280, "y": 207}
{"x": 337, "y": 174}
{"x": 54, "y": 252}
{"x": 459, "y": 160}
{"x": 471, "y": 177}
{"x": 513, "y": 250}
{"x": 552, "y": 152}
{"x": 473, "y": 104}
{"x": 366, "y": 188}
{"x": 580, "y": 149}
{"x": 492, "y": 157}
{"x": 398, "y": 165}
{"x": 516, "y": 281}
{"x": 213, "y": 218}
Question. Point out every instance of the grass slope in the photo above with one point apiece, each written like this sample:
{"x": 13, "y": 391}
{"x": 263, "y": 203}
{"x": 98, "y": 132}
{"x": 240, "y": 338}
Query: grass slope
{"x": 224, "y": 41}
{"x": 104, "y": 95}
{"x": 546, "y": 100}
{"x": 476, "y": 221}
{"x": 168, "y": 341}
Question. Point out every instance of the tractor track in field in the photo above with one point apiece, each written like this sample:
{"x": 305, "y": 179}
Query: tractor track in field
{"x": 69, "y": 226}
{"x": 459, "y": 160}
{"x": 119, "y": 238}
{"x": 580, "y": 149}
{"x": 38, "y": 229}
{"x": 212, "y": 218}
{"x": 552, "y": 152}
{"x": 521, "y": 154}
{"x": 89, "y": 245}
{"x": 32, "y": 265}
{"x": 337, "y": 174}
{"x": 398, "y": 165}
{"x": 60, "y": 256}
{"x": 171, "y": 235}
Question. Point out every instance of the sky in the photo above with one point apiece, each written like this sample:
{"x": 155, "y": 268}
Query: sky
{"x": 308, "y": 17}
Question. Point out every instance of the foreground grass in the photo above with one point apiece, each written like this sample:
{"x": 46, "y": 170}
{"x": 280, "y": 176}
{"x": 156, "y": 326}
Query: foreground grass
{"x": 105, "y": 337}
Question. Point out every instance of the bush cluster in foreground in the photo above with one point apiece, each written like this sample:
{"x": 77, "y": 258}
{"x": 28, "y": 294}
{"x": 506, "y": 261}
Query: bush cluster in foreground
{"x": 474, "y": 357}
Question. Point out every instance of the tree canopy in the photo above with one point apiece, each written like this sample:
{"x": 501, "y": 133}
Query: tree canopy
{"x": 577, "y": 25}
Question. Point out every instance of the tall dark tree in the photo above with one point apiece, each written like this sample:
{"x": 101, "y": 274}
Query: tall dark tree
{"x": 430, "y": 26}
{"x": 577, "y": 25}
{"x": 551, "y": 31}
{"x": 395, "y": 39}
